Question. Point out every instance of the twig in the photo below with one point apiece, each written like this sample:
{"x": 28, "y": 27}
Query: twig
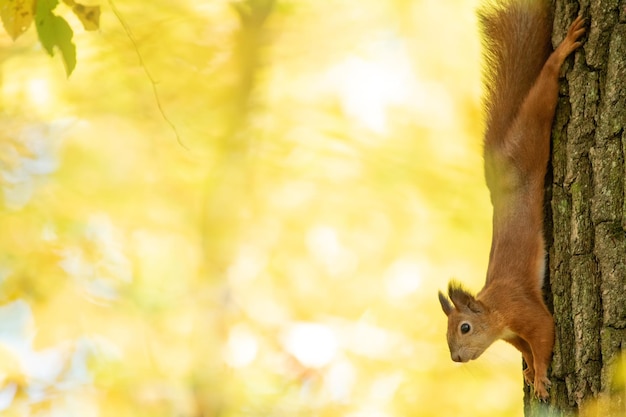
{"x": 153, "y": 82}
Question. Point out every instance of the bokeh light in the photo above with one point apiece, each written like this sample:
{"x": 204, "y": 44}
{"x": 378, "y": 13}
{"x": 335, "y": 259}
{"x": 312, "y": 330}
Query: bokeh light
{"x": 245, "y": 208}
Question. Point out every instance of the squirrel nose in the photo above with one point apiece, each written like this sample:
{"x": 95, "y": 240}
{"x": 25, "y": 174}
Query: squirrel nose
{"x": 456, "y": 357}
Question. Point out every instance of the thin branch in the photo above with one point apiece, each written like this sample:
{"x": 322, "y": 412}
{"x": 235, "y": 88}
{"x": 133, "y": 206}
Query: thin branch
{"x": 153, "y": 82}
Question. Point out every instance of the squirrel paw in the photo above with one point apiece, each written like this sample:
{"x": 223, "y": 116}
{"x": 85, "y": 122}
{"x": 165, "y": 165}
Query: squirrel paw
{"x": 529, "y": 376}
{"x": 541, "y": 388}
{"x": 571, "y": 43}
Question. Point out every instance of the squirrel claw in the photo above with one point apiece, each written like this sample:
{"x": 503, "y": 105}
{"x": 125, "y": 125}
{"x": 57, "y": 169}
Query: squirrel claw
{"x": 542, "y": 395}
{"x": 577, "y": 28}
{"x": 571, "y": 41}
{"x": 529, "y": 376}
{"x": 541, "y": 389}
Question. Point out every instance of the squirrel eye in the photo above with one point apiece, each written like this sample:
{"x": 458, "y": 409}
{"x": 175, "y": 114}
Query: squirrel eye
{"x": 465, "y": 327}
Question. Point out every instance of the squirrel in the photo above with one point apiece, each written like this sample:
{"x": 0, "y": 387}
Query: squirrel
{"x": 521, "y": 82}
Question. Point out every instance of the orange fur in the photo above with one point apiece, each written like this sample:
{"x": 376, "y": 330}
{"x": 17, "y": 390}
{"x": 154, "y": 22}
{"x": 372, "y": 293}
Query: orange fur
{"x": 522, "y": 91}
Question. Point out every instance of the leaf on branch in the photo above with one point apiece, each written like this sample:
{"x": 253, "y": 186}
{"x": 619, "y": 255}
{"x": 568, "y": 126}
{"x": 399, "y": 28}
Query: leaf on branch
{"x": 17, "y": 15}
{"x": 55, "y": 31}
{"x": 88, "y": 15}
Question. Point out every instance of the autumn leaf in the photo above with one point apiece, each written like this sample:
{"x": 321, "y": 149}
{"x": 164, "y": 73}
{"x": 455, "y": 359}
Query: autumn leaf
{"x": 88, "y": 15}
{"x": 17, "y": 15}
{"x": 55, "y": 31}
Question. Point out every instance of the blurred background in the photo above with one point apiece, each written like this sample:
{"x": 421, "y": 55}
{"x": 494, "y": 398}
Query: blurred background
{"x": 245, "y": 208}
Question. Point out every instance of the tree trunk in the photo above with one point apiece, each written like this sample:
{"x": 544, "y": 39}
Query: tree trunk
{"x": 586, "y": 217}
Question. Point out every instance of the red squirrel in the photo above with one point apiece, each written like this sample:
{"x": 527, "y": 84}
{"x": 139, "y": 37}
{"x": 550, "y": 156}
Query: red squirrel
{"x": 521, "y": 81}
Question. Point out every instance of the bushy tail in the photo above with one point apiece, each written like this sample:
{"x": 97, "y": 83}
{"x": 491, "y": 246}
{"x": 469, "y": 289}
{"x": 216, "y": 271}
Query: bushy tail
{"x": 516, "y": 44}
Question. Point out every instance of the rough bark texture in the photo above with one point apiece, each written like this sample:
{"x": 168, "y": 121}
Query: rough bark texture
{"x": 586, "y": 215}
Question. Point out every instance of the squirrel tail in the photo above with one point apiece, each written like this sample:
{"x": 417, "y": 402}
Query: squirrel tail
{"x": 516, "y": 43}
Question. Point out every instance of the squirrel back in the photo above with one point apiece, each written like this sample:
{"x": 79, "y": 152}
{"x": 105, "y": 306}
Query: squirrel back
{"x": 516, "y": 43}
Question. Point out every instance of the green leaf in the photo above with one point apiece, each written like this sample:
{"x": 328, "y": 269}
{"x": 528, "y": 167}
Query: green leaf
{"x": 55, "y": 31}
{"x": 17, "y": 15}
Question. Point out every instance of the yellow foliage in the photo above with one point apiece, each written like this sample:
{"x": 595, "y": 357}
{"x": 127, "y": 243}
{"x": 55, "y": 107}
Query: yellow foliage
{"x": 286, "y": 260}
{"x": 17, "y": 15}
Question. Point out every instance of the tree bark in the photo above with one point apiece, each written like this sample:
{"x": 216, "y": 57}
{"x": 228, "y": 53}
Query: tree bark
{"x": 586, "y": 217}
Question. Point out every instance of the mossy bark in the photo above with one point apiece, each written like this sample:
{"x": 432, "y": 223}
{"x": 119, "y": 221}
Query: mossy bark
{"x": 586, "y": 215}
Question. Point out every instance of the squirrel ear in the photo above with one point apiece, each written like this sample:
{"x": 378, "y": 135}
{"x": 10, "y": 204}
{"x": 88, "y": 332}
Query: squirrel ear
{"x": 463, "y": 299}
{"x": 445, "y": 304}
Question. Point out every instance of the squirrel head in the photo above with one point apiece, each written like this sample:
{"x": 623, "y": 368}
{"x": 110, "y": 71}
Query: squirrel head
{"x": 471, "y": 326}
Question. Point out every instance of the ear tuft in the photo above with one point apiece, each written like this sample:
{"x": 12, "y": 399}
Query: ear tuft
{"x": 445, "y": 304}
{"x": 463, "y": 299}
